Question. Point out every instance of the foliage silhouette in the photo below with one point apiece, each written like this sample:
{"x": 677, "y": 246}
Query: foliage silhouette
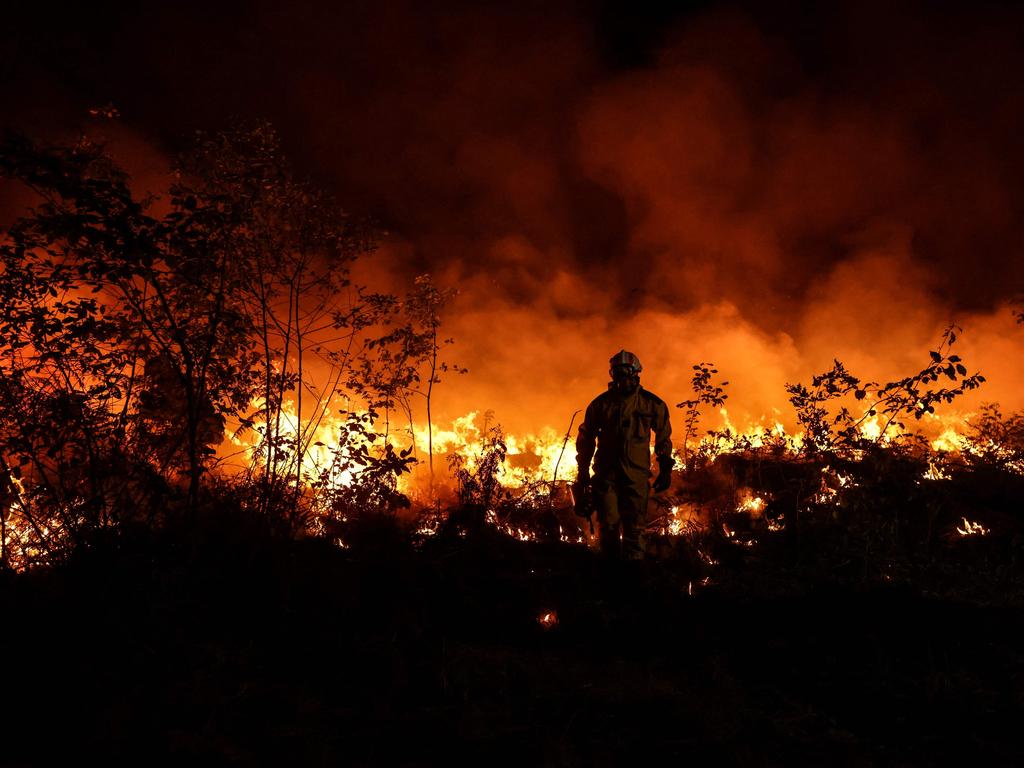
{"x": 891, "y": 402}
{"x": 134, "y": 341}
{"x": 707, "y": 393}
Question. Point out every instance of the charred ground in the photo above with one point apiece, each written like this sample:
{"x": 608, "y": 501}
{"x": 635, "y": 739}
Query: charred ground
{"x": 838, "y": 639}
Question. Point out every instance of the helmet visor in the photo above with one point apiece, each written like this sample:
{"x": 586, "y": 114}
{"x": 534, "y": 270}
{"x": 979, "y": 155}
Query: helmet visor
{"x": 622, "y": 371}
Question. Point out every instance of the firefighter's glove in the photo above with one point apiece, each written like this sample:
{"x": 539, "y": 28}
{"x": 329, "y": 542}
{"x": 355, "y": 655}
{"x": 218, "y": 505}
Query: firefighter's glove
{"x": 583, "y": 503}
{"x": 664, "y": 478}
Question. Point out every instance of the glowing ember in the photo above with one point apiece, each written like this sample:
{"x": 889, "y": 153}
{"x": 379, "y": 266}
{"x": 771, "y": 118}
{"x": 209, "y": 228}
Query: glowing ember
{"x": 936, "y": 471}
{"x": 516, "y": 532}
{"x": 971, "y": 528}
{"x": 690, "y": 589}
{"x": 548, "y": 619}
{"x": 832, "y": 481}
{"x": 566, "y": 539}
{"x": 752, "y": 505}
{"x": 678, "y": 520}
{"x": 428, "y": 527}
{"x": 706, "y": 557}
{"x": 675, "y": 524}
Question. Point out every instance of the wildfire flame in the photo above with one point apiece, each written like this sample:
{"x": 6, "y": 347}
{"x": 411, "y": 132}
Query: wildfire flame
{"x": 544, "y": 455}
{"x": 531, "y": 460}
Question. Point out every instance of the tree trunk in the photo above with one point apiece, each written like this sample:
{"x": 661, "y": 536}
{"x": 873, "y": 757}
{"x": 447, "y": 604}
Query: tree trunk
{"x": 430, "y": 423}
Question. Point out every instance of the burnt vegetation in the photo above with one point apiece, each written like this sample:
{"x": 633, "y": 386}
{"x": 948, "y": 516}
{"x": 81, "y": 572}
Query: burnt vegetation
{"x": 853, "y": 596}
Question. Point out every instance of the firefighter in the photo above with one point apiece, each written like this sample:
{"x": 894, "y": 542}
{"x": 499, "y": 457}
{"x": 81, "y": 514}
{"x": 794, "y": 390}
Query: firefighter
{"x": 619, "y": 423}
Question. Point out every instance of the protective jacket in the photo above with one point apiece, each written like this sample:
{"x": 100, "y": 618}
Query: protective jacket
{"x": 619, "y": 426}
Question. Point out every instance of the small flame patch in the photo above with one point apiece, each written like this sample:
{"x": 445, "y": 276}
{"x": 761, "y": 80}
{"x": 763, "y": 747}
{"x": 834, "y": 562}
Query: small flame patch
{"x": 971, "y": 528}
{"x": 548, "y": 619}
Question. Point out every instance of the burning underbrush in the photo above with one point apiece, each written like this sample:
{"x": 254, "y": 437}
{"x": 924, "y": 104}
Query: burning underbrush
{"x": 883, "y": 511}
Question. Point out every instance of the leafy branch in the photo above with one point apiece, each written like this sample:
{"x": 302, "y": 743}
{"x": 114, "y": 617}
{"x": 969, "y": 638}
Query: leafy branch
{"x": 707, "y": 393}
{"x": 913, "y": 396}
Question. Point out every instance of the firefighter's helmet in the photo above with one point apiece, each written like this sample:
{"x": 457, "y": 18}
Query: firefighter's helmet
{"x": 623, "y": 360}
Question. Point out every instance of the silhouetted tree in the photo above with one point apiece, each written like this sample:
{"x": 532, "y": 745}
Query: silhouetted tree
{"x": 70, "y": 344}
{"x": 404, "y": 362}
{"x": 292, "y": 246}
{"x": 707, "y": 393}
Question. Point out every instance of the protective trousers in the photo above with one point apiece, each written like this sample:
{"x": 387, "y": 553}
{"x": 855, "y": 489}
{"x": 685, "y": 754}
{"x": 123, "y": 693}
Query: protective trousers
{"x": 621, "y": 504}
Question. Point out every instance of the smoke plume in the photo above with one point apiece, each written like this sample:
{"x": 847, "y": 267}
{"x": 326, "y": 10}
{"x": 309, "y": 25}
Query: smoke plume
{"x": 766, "y": 191}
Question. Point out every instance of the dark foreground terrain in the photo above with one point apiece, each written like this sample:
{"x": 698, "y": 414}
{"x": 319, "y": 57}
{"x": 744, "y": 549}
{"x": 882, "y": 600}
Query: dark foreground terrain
{"x": 248, "y": 650}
